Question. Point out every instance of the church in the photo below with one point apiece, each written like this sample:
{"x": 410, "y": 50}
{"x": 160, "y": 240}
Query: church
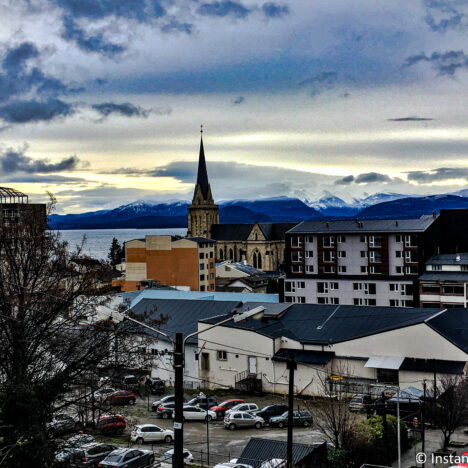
{"x": 259, "y": 244}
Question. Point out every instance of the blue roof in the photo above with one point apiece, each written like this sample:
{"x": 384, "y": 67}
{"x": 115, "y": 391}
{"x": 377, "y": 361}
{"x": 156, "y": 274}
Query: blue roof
{"x": 205, "y": 296}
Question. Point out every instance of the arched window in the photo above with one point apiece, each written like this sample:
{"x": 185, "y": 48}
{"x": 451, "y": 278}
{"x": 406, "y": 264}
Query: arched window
{"x": 259, "y": 261}
{"x": 255, "y": 260}
{"x": 231, "y": 254}
{"x": 221, "y": 254}
{"x": 256, "y": 236}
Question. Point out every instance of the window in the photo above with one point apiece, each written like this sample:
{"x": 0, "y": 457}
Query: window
{"x": 453, "y": 289}
{"x": 399, "y": 239}
{"x": 363, "y": 253}
{"x": 202, "y": 277}
{"x": 406, "y": 289}
{"x": 398, "y": 253}
{"x": 365, "y": 302}
{"x": 309, "y": 253}
{"x": 398, "y": 270}
{"x": 394, "y": 303}
{"x": 322, "y": 300}
{"x": 328, "y": 300}
{"x": 202, "y": 266}
{"x": 296, "y": 268}
{"x": 436, "y": 267}
{"x": 310, "y": 239}
{"x": 329, "y": 269}
{"x": 341, "y": 239}
{"x": 202, "y": 288}
{"x": 411, "y": 240}
{"x": 205, "y": 362}
{"x": 300, "y": 285}
{"x": 342, "y": 254}
{"x": 464, "y": 267}
{"x": 411, "y": 270}
{"x": 211, "y": 265}
{"x": 411, "y": 256}
{"x": 363, "y": 269}
{"x": 363, "y": 239}
{"x": 322, "y": 288}
{"x": 212, "y": 286}
{"x": 202, "y": 256}
{"x": 296, "y": 256}
{"x": 211, "y": 275}
{"x": 300, "y": 299}
{"x": 371, "y": 288}
{"x": 328, "y": 256}
{"x": 296, "y": 241}
{"x": 375, "y": 256}
{"x": 290, "y": 286}
{"x": 375, "y": 241}
{"x": 289, "y": 299}
{"x": 429, "y": 288}
{"x": 309, "y": 268}
{"x": 342, "y": 269}
{"x": 328, "y": 241}
{"x": 221, "y": 355}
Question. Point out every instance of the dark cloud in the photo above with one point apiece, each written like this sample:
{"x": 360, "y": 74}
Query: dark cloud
{"x": 238, "y": 100}
{"x": 437, "y": 175}
{"x": 17, "y": 57}
{"x": 126, "y": 109}
{"x": 367, "y": 178}
{"x": 20, "y": 111}
{"x": 94, "y": 43}
{"x": 12, "y": 161}
{"x": 98, "y": 9}
{"x": 442, "y": 15}
{"x": 410, "y": 119}
{"x": 321, "y": 82}
{"x": 224, "y": 8}
{"x": 447, "y": 63}
{"x": 175, "y": 25}
{"x": 274, "y": 10}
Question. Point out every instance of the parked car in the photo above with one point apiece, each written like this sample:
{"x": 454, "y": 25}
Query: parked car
{"x": 62, "y": 424}
{"x": 163, "y": 401}
{"x": 121, "y": 397}
{"x": 221, "y": 409}
{"x": 165, "y": 411}
{"x": 155, "y": 386}
{"x": 130, "y": 382}
{"x": 128, "y": 457}
{"x": 151, "y": 433}
{"x": 66, "y": 448}
{"x": 232, "y": 464}
{"x": 195, "y": 413}
{"x": 167, "y": 457}
{"x": 246, "y": 407}
{"x": 271, "y": 411}
{"x": 240, "y": 419}
{"x": 90, "y": 455}
{"x": 203, "y": 402}
{"x": 103, "y": 393}
{"x": 111, "y": 424}
{"x": 77, "y": 440}
{"x": 360, "y": 403}
{"x": 300, "y": 418}
{"x": 463, "y": 459}
{"x": 274, "y": 463}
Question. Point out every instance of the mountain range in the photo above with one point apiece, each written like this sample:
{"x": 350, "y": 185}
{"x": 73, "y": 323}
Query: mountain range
{"x": 141, "y": 214}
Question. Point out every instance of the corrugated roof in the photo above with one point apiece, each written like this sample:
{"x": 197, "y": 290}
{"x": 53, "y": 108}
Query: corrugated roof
{"x": 241, "y": 266}
{"x": 259, "y": 450}
{"x": 365, "y": 225}
{"x": 200, "y": 240}
{"x": 444, "y": 276}
{"x": 304, "y": 355}
{"x": 323, "y": 324}
{"x": 449, "y": 259}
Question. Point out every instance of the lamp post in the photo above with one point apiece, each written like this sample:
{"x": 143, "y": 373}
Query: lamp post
{"x": 179, "y": 350}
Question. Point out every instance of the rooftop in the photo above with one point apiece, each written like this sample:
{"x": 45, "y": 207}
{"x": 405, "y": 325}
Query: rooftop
{"x": 241, "y": 266}
{"x": 365, "y": 225}
{"x": 449, "y": 259}
{"x": 10, "y": 195}
{"x": 271, "y": 231}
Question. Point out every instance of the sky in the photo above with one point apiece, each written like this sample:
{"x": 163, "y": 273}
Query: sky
{"x": 101, "y": 101}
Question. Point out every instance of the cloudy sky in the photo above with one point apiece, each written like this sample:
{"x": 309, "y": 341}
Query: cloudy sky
{"x": 101, "y": 100}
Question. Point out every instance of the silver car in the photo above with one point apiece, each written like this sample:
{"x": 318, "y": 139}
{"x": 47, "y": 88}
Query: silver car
{"x": 246, "y": 407}
{"x": 240, "y": 419}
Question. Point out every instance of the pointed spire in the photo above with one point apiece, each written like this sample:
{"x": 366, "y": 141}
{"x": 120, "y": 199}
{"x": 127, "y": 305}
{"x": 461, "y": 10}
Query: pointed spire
{"x": 202, "y": 177}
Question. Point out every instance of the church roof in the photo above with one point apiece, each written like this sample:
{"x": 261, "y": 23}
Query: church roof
{"x": 202, "y": 177}
{"x": 271, "y": 231}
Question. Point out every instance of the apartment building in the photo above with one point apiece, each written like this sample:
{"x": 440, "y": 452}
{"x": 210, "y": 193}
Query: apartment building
{"x": 366, "y": 262}
{"x": 170, "y": 261}
{"x": 445, "y": 281}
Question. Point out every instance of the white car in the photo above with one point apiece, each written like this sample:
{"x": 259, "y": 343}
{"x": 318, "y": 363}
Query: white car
{"x": 246, "y": 407}
{"x": 274, "y": 463}
{"x": 232, "y": 464}
{"x": 167, "y": 457}
{"x": 103, "y": 393}
{"x": 195, "y": 413}
{"x": 151, "y": 433}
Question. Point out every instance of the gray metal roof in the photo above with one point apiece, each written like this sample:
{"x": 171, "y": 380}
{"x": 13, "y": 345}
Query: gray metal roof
{"x": 200, "y": 240}
{"x": 444, "y": 276}
{"x": 259, "y": 450}
{"x": 271, "y": 231}
{"x": 241, "y": 266}
{"x": 449, "y": 259}
{"x": 365, "y": 225}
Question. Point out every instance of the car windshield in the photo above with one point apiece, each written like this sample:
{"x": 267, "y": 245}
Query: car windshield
{"x": 113, "y": 458}
{"x": 285, "y": 414}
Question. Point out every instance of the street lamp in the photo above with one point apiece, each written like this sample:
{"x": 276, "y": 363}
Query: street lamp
{"x": 256, "y": 313}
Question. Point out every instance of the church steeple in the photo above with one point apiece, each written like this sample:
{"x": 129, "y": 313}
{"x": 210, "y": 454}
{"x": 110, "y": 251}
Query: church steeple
{"x": 202, "y": 213}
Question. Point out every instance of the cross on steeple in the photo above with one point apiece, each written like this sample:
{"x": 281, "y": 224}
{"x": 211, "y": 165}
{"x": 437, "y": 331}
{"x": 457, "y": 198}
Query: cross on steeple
{"x": 201, "y": 128}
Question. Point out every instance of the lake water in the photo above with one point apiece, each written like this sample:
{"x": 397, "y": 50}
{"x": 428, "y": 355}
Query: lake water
{"x": 98, "y": 241}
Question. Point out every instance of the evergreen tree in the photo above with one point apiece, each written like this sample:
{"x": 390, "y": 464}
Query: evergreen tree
{"x": 116, "y": 252}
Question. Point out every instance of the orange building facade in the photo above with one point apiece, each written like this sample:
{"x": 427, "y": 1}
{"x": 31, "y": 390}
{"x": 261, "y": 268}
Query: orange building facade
{"x": 170, "y": 261}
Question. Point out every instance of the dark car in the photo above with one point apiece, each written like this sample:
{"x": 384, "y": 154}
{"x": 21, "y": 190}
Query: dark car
{"x": 121, "y": 397}
{"x": 62, "y": 424}
{"x": 130, "y": 458}
{"x": 66, "y": 448}
{"x": 130, "y": 382}
{"x": 271, "y": 411}
{"x": 163, "y": 401}
{"x": 90, "y": 455}
{"x": 155, "y": 386}
{"x": 203, "y": 402}
{"x": 221, "y": 409}
{"x": 165, "y": 410}
{"x": 111, "y": 424}
{"x": 300, "y": 418}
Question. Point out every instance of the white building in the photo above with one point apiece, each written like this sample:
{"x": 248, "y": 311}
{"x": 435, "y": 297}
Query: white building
{"x": 445, "y": 281}
{"x": 361, "y": 347}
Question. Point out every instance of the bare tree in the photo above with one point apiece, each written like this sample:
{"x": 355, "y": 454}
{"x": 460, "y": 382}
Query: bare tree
{"x": 48, "y": 344}
{"x": 449, "y": 410}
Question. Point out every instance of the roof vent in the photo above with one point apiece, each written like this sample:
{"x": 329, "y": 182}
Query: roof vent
{"x": 396, "y": 223}
{"x": 326, "y": 224}
{"x": 457, "y": 258}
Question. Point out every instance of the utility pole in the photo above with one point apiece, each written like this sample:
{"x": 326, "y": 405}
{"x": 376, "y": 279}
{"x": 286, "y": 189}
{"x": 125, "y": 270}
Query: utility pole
{"x": 178, "y": 457}
{"x": 423, "y": 431}
{"x": 291, "y": 365}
